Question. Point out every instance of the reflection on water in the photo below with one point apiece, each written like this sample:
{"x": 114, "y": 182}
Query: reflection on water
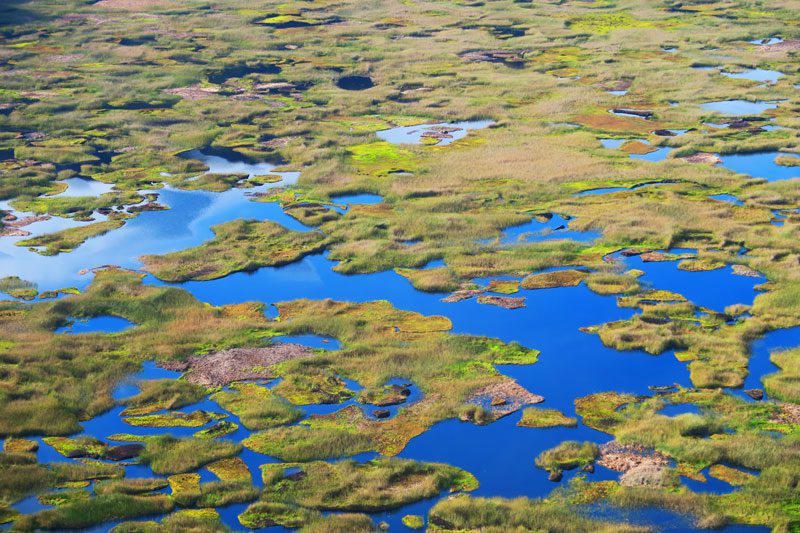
{"x": 99, "y": 324}
{"x": 739, "y": 107}
{"x": 447, "y": 132}
{"x": 77, "y": 187}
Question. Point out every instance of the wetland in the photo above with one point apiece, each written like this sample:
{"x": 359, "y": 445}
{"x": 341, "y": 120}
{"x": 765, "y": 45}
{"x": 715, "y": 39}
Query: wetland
{"x": 443, "y": 265}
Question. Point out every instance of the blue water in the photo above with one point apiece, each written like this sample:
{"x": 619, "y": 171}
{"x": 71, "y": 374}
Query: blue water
{"x": 413, "y": 134}
{"x": 612, "y": 143}
{"x": 85, "y": 187}
{"x": 535, "y": 231}
{"x": 572, "y": 364}
{"x": 761, "y": 165}
{"x": 358, "y": 199}
{"x": 729, "y": 289}
{"x": 675, "y": 409}
{"x": 711, "y": 485}
{"x": 731, "y": 199}
{"x": 739, "y": 107}
{"x": 659, "y": 154}
{"x": 231, "y": 163}
{"x": 760, "y": 365}
{"x": 342, "y": 203}
{"x": 186, "y": 224}
{"x": 99, "y": 324}
{"x": 755, "y": 74}
{"x": 602, "y": 190}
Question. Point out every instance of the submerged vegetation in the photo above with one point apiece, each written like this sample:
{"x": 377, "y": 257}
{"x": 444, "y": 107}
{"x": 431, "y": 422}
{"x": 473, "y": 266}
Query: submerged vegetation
{"x": 496, "y": 153}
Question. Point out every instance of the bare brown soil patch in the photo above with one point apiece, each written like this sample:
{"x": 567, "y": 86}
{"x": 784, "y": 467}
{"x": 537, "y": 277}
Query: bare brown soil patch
{"x": 504, "y": 397}
{"x": 236, "y": 364}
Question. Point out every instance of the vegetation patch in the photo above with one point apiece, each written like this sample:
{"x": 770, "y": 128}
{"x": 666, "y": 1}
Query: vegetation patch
{"x": 534, "y": 417}
{"x": 264, "y": 514}
{"x": 551, "y": 280}
{"x": 567, "y": 455}
{"x": 240, "y": 245}
{"x": 93, "y": 511}
{"x": 257, "y": 407}
{"x": 170, "y": 455}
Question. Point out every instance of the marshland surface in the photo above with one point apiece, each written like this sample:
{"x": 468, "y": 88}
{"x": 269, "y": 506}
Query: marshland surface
{"x": 450, "y": 265}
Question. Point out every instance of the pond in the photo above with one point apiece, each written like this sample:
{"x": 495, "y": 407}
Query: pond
{"x": 78, "y": 187}
{"x": 312, "y": 341}
{"x": 739, "y": 107}
{"x": 98, "y": 324}
{"x": 659, "y": 153}
{"x": 342, "y": 203}
{"x": 610, "y": 190}
{"x": 445, "y": 132}
{"x": 355, "y": 83}
{"x": 185, "y": 224}
{"x": 230, "y": 162}
{"x": 729, "y": 198}
{"x": 761, "y": 165}
{"x": 767, "y": 40}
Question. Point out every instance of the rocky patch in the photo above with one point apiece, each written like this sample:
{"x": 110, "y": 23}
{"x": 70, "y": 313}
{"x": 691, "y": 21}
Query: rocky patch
{"x": 702, "y": 157}
{"x": 625, "y": 457}
{"x": 503, "y": 398}
{"x": 506, "y": 302}
{"x": 236, "y": 364}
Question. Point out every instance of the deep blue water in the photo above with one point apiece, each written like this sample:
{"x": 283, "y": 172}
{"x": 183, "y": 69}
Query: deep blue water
{"x": 675, "y": 409}
{"x": 659, "y": 154}
{"x": 755, "y": 74}
{"x": 760, "y": 364}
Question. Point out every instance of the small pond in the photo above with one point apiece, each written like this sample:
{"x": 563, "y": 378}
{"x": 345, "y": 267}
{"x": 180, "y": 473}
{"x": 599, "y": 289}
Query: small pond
{"x": 761, "y": 165}
{"x": 78, "y": 187}
{"x": 446, "y": 132}
{"x": 99, "y": 324}
{"x": 739, "y": 107}
{"x": 755, "y": 74}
